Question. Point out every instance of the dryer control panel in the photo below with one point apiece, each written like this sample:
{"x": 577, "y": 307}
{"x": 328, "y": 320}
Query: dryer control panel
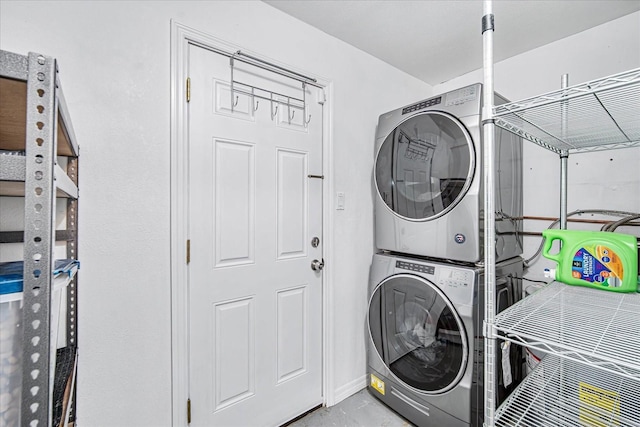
{"x": 457, "y": 283}
{"x": 411, "y": 266}
{"x": 461, "y": 96}
{"x": 455, "y": 278}
{"x": 423, "y": 104}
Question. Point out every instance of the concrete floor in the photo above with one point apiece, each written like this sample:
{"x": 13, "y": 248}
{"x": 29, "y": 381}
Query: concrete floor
{"x": 359, "y": 410}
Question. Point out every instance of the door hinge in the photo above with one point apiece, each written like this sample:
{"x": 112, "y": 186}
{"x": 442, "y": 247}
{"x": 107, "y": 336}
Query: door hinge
{"x": 188, "y": 251}
{"x": 188, "y": 411}
{"x": 188, "y": 89}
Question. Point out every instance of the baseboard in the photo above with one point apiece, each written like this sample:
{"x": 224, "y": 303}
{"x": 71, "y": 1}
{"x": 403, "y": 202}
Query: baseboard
{"x": 349, "y": 389}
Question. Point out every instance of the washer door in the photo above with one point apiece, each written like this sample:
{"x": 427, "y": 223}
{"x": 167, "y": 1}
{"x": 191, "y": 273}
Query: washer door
{"x": 425, "y": 166}
{"x": 417, "y": 333}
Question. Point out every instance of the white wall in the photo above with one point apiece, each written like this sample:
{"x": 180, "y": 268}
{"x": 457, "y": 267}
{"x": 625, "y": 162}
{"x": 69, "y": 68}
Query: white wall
{"x": 114, "y": 65}
{"x": 600, "y": 180}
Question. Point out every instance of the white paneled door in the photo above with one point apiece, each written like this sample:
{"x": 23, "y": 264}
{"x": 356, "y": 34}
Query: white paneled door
{"x": 255, "y": 304}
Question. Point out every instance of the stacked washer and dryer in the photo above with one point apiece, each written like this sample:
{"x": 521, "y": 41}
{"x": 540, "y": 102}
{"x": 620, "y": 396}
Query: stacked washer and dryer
{"x": 426, "y": 307}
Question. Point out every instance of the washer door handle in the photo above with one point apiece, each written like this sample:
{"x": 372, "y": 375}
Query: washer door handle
{"x": 317, "y": 265}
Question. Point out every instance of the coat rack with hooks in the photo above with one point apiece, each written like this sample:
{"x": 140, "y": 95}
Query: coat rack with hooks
{"x": 273, "y": 97}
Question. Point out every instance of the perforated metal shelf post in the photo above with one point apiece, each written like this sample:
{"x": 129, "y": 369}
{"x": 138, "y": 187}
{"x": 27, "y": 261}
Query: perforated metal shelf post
{"x": 30, "y": 84}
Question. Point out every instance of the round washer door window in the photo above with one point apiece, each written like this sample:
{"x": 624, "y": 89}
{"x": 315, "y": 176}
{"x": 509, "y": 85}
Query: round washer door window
{"x": 425, "y": 166}
{"x": 417, "y": 333}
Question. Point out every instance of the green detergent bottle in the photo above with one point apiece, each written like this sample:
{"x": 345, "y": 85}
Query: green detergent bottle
{"x": 595, "y": 259}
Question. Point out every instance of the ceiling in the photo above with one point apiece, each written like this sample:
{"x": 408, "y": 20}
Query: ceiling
{"x": 436, "y": 41}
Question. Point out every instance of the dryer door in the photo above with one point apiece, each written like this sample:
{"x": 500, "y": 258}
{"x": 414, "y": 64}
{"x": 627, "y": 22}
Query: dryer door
{"x": 417, "y": 333}
{"x": 425, "y": 166}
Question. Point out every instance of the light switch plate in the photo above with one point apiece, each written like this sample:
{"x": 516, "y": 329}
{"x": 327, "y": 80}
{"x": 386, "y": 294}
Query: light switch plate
{"x": 340, "y": 200}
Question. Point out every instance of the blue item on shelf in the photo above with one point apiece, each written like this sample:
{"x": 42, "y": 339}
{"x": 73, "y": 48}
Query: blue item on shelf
{"x": 10, "y": 283}
{"x": 14, "y": 267}
{"x": 11, "y": 273}
{"x": 65, "y": 266}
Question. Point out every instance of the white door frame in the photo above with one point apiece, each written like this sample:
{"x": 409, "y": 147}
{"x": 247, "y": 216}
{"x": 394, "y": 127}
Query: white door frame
{"x": 181, "y": 35}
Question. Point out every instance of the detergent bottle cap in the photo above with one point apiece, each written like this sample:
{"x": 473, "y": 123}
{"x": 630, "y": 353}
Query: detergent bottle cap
{"x": 550, "y": 273}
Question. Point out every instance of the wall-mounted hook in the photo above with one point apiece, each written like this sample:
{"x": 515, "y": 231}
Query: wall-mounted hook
{"x": 255, "y": 107}
{"x": 305, "y": 120}
{"x": 274, "y": 113}
{"x": 231, "y": 81}
{"x": 235, "y": 104}
{"x": 289, "y": 115}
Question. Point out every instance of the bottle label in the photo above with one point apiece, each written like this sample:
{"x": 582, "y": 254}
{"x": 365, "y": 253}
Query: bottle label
{"x": 599, "y": 265}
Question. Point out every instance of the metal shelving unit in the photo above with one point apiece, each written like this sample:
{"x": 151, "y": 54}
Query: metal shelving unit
{"x": 36, "y": 137}
{"x": 562, "y": 393}
{"x": 591, "y": 375}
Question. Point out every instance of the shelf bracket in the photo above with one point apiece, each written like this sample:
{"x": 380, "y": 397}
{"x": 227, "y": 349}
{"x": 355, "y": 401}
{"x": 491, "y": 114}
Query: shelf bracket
{"x": 489, "y": 331}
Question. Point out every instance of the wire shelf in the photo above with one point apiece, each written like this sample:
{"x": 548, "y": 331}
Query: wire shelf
{"x": 587, "y": 325}
{"x": 560, "y": 392}
{"x": 599, "y": 115}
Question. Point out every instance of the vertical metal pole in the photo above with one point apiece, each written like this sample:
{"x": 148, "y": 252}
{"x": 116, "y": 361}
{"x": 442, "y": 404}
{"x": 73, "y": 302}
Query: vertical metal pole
{"x": 72, "y": 289}
{"x": 39, "y": 239}
{"x": 488, "y": 128}
{"x": 564, "y": 168}
{"x": 304, "y": 104}
{"x": 564, "y": 159}
{"x": 564, "y": 162}
{"x": 72, "y": 253}
{"x": 231, "y": 84}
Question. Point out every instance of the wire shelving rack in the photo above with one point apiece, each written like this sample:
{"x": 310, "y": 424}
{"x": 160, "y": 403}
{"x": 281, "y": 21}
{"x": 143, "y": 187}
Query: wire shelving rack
{"x": 591, "y": 374}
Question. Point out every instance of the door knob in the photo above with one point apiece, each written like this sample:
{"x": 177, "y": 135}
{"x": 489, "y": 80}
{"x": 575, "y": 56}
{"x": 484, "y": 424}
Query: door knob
{"x": 317, "y": 265}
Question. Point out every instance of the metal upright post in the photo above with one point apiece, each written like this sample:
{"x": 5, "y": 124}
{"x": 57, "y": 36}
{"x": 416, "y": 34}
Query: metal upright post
{"x": 488, "y": 128}
{"x": 564, "y": 158}
{"x": 39, "y": 239}
{"x": 72, "y": 289}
